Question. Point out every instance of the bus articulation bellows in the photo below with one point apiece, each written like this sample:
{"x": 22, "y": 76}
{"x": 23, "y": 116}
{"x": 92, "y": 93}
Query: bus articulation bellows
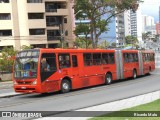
{"x": 50, "y": 70}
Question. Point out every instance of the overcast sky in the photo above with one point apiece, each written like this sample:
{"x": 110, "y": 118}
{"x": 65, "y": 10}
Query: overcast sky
{"x": 151, "y": 7}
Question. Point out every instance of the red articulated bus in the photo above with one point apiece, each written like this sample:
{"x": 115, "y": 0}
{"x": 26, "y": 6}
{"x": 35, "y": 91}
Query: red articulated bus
{"x": 50, "y": 70}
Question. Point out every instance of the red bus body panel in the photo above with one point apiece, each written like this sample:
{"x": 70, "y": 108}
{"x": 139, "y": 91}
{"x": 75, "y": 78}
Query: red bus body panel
{"x": 81, "y": 76}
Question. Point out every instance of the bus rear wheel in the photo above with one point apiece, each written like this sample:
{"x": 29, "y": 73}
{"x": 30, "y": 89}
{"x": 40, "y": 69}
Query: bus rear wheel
{"x": 134, "y": 74}
{"x": 108, "y": 79}
{"x": 65, "y": 86}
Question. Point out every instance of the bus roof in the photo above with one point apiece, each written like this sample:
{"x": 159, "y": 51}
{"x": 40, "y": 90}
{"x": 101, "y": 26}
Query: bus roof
{"x": 83, "y": 50}
{"x": 78, "y": 50}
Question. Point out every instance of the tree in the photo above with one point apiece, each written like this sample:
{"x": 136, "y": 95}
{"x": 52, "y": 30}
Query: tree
{"x": 82, "y": 29}
{"x": 113, "y": 44}
{"x": 103, "y": 45}
{"x": 25, "y": 47}
{"x": 83, "y": 43}
{"x": 156, "y": 38}
{"x": 95, "y": 9}
{"x": 146, "y": 36}
{"x": 65, "y": 45}
{"x": 131, "y": 40}
{"x": 7, "y": 59}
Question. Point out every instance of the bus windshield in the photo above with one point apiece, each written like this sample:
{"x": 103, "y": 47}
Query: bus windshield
{"x": 26, "y": 64}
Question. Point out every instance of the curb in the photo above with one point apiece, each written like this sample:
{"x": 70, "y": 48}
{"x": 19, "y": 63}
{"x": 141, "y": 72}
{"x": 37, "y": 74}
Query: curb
{"x": 10, "y": 95}
{"x": 94, "y": 108}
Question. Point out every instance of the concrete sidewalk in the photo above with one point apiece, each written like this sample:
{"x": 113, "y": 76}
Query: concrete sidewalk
{"x": 10, "y": 94}
{"x": 6, "y": 84}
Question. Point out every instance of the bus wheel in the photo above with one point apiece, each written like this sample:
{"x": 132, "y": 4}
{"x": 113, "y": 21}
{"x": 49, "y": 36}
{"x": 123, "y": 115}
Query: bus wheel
{"x": 65, "y": 86}
{"x": 134, "y": 74}
{"x": 108, "y": 79}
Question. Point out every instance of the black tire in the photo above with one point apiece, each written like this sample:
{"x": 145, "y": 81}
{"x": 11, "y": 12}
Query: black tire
{"x": 65, "y": 86}
{"x": 108, "y": 79}
{"x": 150, "y": 70}
{"x": 134, "y": 74}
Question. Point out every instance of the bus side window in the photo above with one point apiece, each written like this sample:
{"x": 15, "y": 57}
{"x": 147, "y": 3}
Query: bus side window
{"x": 104, "y": 58}
{"x": 64, "y": 60}
{"x": 126, "y": 58}
{"x": 49, "y": 62}
{"x": 87, "y": 58}
{"x": 152, "y": 56}
{"x": 130, "y": 57}
{"x": 74, "y": 61}
{"x": 96, "y": 59}
{"x": 111, "y": 58}
{"x": 146, "y": 57}
{"x": 135, "y": 57}
{"x": 149, "y": 57}
{"x": 143, "y": 57}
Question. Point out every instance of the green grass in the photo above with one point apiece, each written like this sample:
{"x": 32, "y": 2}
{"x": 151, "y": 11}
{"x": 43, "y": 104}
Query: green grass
{"x": 126, "y": 113}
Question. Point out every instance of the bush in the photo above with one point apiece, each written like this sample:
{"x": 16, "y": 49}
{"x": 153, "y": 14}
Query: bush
{"x": 7, "y": 59}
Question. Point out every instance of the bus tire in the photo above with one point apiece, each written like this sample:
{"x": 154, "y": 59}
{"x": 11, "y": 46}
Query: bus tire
{"x": 134, "y": 74}
{"x": 150, "y": 70}
{"x": 65, "y": 86}
{"x": 108, "y": 79}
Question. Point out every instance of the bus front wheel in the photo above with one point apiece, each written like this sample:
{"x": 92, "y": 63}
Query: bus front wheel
{"x": 65, "y": 86}
{"x": 108, "y": 79}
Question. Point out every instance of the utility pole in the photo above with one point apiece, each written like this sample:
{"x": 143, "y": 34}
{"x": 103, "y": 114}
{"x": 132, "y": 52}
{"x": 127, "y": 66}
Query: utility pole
{"x": 62, "y": 35}
{"x": 63, "y": 31}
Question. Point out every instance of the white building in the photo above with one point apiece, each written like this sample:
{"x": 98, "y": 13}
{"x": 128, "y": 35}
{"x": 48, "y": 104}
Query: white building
{"x": 39, "y": 23}
{"x": 122, "y": 27}
{"x": 147, "y": 21}
{"x": 136, "y": 25}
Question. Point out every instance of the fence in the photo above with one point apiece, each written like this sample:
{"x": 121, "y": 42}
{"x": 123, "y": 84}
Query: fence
{"x": 6, "y": 72}
{"x": 6, "y": 69}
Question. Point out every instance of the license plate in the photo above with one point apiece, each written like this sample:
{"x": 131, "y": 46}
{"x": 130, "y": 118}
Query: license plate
{"x": 23, "y": 87}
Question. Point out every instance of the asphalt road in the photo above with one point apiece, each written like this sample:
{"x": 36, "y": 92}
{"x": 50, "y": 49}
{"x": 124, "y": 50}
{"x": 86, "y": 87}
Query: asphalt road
{"x": 84, "y": 97}
{"x": 6, "y": 90}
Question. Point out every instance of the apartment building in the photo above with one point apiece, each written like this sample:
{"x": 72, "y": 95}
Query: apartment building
{"x": 147, "y": 21}
{"x": 40, "y": 23}
{"x": 136, "y": 24}
{"x": 123, "y": 28}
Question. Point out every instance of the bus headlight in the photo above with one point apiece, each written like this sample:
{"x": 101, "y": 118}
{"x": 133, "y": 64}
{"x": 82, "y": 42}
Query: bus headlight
{"x": 35, "y": 82}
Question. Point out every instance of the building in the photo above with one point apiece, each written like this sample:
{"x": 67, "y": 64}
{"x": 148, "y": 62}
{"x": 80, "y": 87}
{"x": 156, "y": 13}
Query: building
{"x": 136, "y": 25}
{"x": 40, "y": 23}
{"x": 158, "y": 24}
{"x": 147, "y": 21}
{"x": 158, "y": 28}
{"x": 122, "y": 27}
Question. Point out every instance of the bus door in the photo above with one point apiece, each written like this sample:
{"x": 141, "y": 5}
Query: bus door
{"x": 47, "y": 71}
{"x": 127, "y": 66}
{"x": 75, "y": 71}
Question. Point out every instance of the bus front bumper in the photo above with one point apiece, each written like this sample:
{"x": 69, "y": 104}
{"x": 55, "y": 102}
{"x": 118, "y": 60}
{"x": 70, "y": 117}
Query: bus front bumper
{"x": 25, "y": 89}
